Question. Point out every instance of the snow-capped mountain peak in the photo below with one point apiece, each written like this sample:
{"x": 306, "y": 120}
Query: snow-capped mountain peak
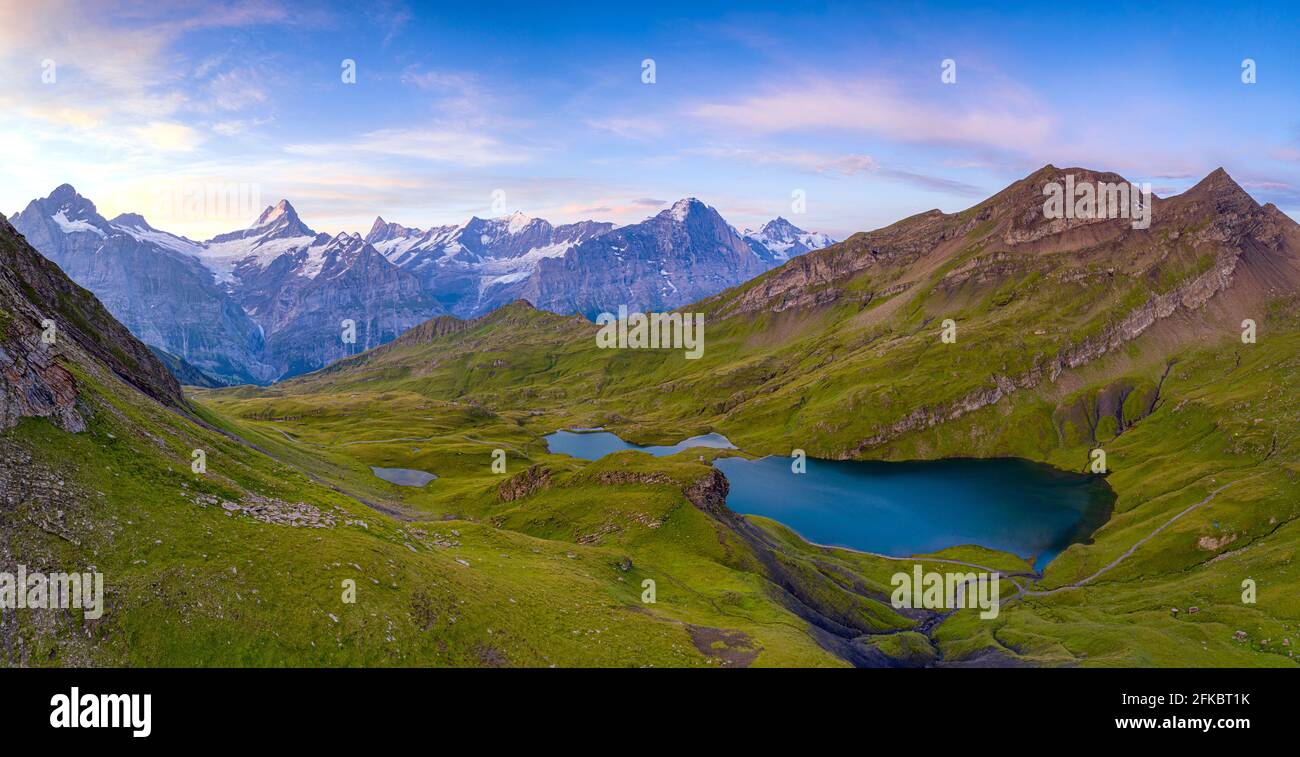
{"x": 277, "y": 231}
{"x": 67, "y": 207}
{"x": 273, "y": 213}
{"x": 517, "y": 221}
{"x": 779, "y": 240}
{"x": 260, "y": 288}
{"x": 683, "y": 208}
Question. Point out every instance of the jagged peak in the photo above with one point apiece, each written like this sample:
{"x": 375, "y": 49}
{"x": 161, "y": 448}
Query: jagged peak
{"x": 517, "y": 221}
{"x": 279, "y": 221}
{"x": 273, "y": 213}
{"x": 382, "y": 230}
{"x": 346, "y": 239}
{"x": 133, "y": 220}
{"x": 684, "y": 207}
{"x": 67, "y": 195}
{"x": 1218, "y": 182}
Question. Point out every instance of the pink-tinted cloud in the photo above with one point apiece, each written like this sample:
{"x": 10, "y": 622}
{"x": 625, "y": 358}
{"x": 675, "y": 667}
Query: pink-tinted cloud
{"x": 880, "y": 109}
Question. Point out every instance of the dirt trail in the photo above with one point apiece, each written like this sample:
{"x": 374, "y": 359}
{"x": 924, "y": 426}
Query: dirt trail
{"x": 1114, "y": 563}
{"x": 391, "y": 510}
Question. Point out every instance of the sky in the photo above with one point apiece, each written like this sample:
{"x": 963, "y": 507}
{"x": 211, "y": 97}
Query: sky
{"x": 197, "y": 115}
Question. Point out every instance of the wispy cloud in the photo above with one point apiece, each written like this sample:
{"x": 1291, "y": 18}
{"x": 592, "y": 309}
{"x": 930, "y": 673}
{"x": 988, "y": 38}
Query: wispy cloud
{"x": 629, "y": 127}
{"x": 841, "y": 165}
{"x": 95, "y": 81}
{"x": 623, "y": 210}
{"x": 236, "y": 89}
{"x": 442, "y": 146}
{"x": 461, "y": 100}
{"x": 878, "y": 108}
{"x": 391, "y": 18}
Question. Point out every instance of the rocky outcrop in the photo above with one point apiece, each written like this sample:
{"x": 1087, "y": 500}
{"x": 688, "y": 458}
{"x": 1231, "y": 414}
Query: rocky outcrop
{"x": 33, "y": 384}
{"x": 273, "y": 511}
{"x": 709, "y": 493}
{"x": 45, "y": 321}
{"x": 525, "y": 484}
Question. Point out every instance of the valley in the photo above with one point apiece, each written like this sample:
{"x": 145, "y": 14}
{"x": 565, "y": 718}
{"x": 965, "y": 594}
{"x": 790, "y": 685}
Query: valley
{"x": 1072, "y": 336}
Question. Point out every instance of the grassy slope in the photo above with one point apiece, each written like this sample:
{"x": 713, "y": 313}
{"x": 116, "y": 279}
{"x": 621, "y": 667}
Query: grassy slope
{"x": 822, "y": 380}
{"x": 545, "y": 582}
{"x": 189, "y": 584}
{"x": 1215, "y": 423}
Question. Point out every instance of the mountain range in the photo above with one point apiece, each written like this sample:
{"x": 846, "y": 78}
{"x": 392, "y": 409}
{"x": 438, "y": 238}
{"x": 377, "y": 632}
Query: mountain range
{"x": 267, "y": 302}
{"x": 1072, "y": 336}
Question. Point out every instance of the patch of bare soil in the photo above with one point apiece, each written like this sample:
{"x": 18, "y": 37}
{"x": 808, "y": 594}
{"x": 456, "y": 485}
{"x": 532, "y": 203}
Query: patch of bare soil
{"x": 734, "y": 648}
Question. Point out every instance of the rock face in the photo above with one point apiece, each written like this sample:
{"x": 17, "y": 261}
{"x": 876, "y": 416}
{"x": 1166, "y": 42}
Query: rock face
{"x": 681, "y": 255}
{"x": 317, "y": 298}
{"x": 149, "y": 280}
{"x": 46, "y": 321}
{"x": 306, "y": 296}
{"x": 709, "y": 493}
{"x": 587, "y": 267}
{"x": 525, "y": 484}
{"x": 483, "y": 264}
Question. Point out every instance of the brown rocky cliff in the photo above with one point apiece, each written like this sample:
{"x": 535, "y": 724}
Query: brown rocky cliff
{"x": 1258, "y": 257}
{"x": 33, "y": 378}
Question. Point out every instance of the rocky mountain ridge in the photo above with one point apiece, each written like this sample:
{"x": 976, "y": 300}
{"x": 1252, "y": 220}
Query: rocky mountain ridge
{"x": 273, "y": 300}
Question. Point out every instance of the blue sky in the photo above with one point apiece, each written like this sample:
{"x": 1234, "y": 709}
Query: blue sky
{"x": 545, "y": 103}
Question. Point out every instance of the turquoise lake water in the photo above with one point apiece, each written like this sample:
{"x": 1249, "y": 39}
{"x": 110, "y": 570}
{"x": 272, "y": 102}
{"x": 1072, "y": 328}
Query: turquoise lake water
{"x": 900, "y": 509}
